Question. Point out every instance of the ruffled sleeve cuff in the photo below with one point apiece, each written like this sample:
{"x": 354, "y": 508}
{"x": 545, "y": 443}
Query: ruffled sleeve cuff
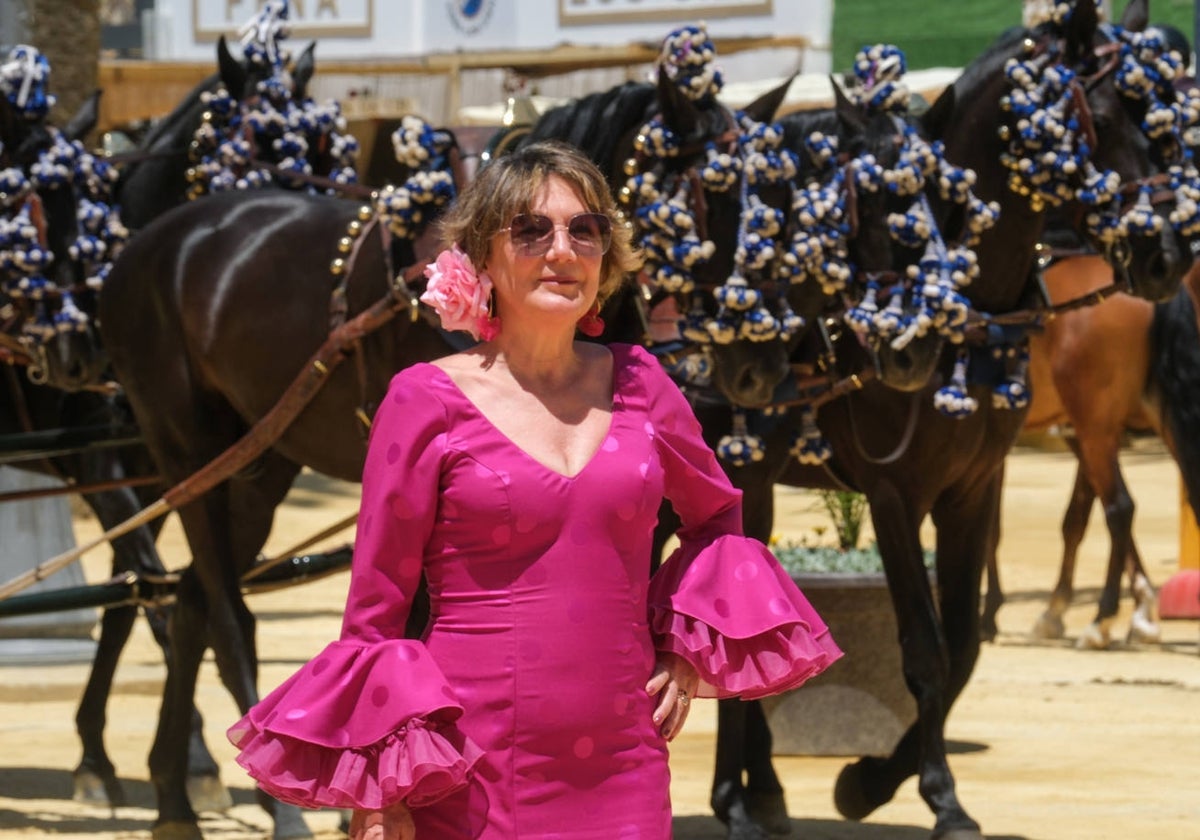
{"x": 360, "y": 726}
{"x": 739, "y": 619}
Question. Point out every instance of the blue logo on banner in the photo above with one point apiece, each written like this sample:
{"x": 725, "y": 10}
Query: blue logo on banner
{"x": 470, "y": 16}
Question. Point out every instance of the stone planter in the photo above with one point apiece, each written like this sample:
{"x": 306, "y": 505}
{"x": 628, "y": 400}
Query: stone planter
{"x": 860, "y": 705}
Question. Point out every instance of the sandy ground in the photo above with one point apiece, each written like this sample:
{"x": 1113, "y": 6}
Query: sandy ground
{"x": 1047, "y": 742}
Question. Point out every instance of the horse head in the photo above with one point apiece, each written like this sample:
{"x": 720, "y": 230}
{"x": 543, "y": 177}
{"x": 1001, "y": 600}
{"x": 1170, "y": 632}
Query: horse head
{"x": 251, "y": 124}
{"x": 56, "y": 237}
{"x": 749, "y": 365}
{"x": 903, "y": 354}
{"x": 1089, "y": 122}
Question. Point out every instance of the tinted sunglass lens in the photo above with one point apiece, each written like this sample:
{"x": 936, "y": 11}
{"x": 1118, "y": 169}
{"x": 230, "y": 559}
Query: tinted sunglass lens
{"x": 590, "y": 233}
{"x": 531, "y": 233}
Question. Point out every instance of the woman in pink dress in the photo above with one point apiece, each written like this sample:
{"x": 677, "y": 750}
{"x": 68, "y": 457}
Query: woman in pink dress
{"x": 523, "y": 479}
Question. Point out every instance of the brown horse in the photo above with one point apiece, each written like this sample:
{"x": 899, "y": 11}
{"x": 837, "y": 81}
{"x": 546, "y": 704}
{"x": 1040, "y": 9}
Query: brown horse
{"x": 1099, "y": 370}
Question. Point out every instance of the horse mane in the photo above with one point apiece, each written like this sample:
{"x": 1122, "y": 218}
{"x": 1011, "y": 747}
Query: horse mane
{"x": 179, "y": 115}
{"x": 596, "y": 123}
{"x": 983, "y": 68}
{"x": 798, "y": 125}
{"x": 1175, "y": 379}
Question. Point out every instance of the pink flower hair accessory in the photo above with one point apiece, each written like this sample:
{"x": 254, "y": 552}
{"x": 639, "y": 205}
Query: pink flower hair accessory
{"x": 460, "y": 295}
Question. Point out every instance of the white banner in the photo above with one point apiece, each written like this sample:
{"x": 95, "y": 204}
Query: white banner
{"x": 308, "y": 18}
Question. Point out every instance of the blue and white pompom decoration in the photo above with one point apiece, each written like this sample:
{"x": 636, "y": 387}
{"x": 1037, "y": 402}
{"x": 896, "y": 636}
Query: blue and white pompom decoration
{"x": 739, "y": 447}
{"x": 1013, "y": 394}
{"x": 260, "y": 36}
{"x": 880, "y": 70}
{"x": 1140, "y": 220}
{"x": 809, "y": 446}
{"x": 416, "y": 143}
{"x": 25, "y": 80}
{"x": 14, "y": 186}
{"x": 1185, "y": 218}
{"x": 861, "y": 316}
{"x": 721, "y": 171}
{"x": 952, "y": 399}
{"x": 688, "y": 58}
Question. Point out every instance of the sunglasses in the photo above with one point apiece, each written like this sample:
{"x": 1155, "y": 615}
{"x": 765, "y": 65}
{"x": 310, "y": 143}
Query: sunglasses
{"x": 532, "y": 234}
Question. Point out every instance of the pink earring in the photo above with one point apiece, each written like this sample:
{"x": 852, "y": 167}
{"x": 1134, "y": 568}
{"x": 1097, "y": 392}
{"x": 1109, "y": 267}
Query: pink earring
{"x": 591, "y": 324}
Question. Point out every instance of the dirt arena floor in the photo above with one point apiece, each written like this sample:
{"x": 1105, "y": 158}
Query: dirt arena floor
{"x": 1048, "y": 742}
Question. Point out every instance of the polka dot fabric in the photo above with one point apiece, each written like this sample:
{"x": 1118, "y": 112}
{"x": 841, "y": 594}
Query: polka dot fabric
{"x": 522, "y": 712}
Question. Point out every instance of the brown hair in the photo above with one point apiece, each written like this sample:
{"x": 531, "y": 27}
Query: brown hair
{"x": 507, "y": 186}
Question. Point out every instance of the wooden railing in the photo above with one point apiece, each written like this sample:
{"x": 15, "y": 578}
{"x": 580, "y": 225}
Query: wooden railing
{"x": 139, "y": 90}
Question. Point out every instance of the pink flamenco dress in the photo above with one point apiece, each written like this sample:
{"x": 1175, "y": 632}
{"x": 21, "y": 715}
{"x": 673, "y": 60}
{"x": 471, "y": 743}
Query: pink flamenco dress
{"x": 522, "y": 712}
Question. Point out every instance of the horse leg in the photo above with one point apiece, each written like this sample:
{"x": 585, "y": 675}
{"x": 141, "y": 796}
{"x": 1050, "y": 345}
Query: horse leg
{"x": 95, "y": 777}
{"x": 168, "y": 756}
{"x": 1074, "y": 524}
{"x": 750, "y": 744}
{"x": 1143, "y": 624}
{"x": 1104, "y": 473}
{"x": 252, "y": 502}
{"x": 934, "y": 669}
{"x": 995, "y": 594}
{"x": 765, "y": 803}
{"x": 205, "y": 791}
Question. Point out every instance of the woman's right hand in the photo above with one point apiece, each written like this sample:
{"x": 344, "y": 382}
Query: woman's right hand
{"x": 392, "y": 823}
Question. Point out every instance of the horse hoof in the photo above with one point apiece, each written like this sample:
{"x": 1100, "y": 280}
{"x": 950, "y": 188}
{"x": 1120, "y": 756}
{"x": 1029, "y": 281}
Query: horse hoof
{"x": 206, "y": 793}
{"x": 769, "y": 810}
{"x": 959, "y": 834}
{"x": 1093, "y": 638}
{"x": 743, "y": 829}
{"x": 1144, "y": 630}
{"x": 176, "y": 831}
{"x": 850, "y": 793}
{"x": 1049, "y": 626}
{"x": 93, "y": 789}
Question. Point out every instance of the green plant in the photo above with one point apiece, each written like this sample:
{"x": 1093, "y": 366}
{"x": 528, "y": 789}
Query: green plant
{"x": 846, "y": 510}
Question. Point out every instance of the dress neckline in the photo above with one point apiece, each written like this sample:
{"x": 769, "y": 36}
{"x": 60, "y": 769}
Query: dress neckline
{"x": 614, "y": 407}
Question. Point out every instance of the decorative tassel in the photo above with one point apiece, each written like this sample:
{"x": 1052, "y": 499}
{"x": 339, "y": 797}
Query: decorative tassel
{"x": 739, "y": 447}
{"x": 810, "y": 446}
{"x": 952, "y": 399}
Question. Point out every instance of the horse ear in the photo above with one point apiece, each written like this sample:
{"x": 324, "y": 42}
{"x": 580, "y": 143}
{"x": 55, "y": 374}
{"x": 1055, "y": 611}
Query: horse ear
{"x": 1081, "y": 29}
{"x": 302, "y": 73}
{"x": 764, "y": 107}
{"x": 849, "y": 114}
{"x": 1136, "y": 16}
{"x": 678, "y": 112}
{"x": 233, "y": 74}
{"x": 937, "y": 116}
{"x": 85, "y": 118}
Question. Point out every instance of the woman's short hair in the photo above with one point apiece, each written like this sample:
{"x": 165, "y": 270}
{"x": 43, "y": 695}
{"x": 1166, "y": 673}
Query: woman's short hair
{"x": 508, "y": 186}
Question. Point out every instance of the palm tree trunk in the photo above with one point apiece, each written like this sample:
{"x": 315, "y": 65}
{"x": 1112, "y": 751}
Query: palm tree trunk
{"x": 68, "y": 34}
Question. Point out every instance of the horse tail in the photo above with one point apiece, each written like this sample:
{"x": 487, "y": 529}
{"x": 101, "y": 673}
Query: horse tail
{"x": 1175, "y": 379}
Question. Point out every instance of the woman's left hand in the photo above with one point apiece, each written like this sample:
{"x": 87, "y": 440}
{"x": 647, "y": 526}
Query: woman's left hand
{"x": 675, "y": 682}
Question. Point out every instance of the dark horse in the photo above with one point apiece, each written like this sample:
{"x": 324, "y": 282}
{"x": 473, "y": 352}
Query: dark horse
{"x": 209, "y": 315}
{"x": 913, "y": 461}
{"x": 104, "y": 476}
{"x": 71, "y": 360}
{"x": 154, "y": 176}
{"x": 1124, "y": 364}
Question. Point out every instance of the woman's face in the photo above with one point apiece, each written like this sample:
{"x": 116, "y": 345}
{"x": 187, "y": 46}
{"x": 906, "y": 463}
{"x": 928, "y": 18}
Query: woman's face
{"x": 560, "y": 284}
